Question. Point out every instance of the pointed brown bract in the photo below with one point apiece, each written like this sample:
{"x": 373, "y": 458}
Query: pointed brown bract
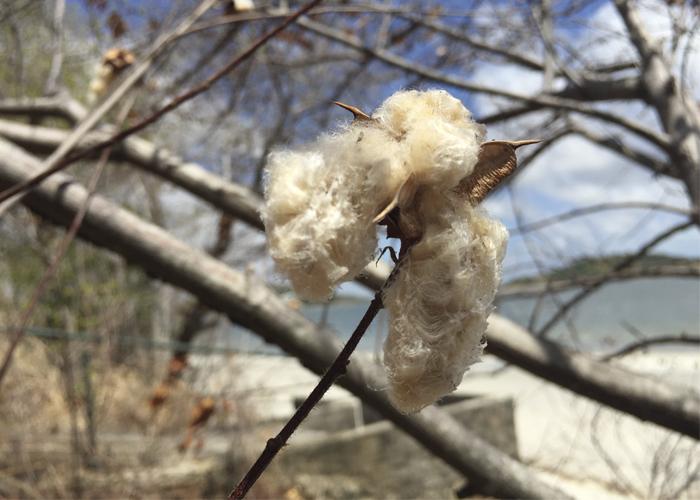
{"x": 357, "y": 113}
{"x": 405, "y": 192}
{"x": 497, "y": 161}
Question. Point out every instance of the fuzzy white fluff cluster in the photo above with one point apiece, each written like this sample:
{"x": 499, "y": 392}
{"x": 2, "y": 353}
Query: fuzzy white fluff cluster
{"x": 321, "y": 203}
{"x": 441, "y": 299}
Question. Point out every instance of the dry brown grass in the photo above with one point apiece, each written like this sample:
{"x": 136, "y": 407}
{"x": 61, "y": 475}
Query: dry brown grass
{"x": 136, "y": 447}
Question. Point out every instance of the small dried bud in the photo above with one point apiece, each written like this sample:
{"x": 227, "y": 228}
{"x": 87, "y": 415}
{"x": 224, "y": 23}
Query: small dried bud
{"x": 114, "y": 62}
{"x": 497, "y": 161}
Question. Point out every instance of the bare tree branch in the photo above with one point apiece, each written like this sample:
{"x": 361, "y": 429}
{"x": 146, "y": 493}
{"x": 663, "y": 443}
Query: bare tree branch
{"x": 616, "y": 145}
{"x": 233, "y": 199}
{"x": 522, "y": 290}
{"x": 55, "y": 163}
{"x": 539, "y": 101}
{"x": 48, "y": 274}
{"x": 61, "y": 107}
{"x": 251, "y": 304}
{"x": 600, "y": 207}
{"x": 51, "y": 86}
{"x": 683, "y": 338}
{"x": 243, "y": 203}
{"x": 681, "y": 121}
{"x": 336, "y": 369}
{"x": 57, "y": 159}
{"x": 248, "y": 303}
{"x": 621, "y": 389}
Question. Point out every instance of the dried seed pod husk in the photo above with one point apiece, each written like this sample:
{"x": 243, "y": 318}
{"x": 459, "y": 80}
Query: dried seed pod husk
{"x": 496, "y": 161}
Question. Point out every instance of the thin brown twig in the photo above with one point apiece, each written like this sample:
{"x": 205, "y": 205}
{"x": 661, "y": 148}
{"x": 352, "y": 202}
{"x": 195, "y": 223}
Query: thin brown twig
{"x": 63, "y": 247}
{"x": 173, "y": 104}
{"x": 336, "y": 370}
{"x": 683, "y": 338}
{"x": 275, "y": 444}
{"x": 579, "y": 212}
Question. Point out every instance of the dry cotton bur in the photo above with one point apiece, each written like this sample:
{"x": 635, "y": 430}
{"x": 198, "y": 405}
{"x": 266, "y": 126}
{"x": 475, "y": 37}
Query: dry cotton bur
{"x": 419, "y": 166}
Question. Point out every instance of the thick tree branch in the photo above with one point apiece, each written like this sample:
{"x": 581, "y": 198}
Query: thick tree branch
{"x": 245, "y": 300}
{"x": 242, "y": 203}
{"x": 233, "y": 199}
{"x": 56, "y": 260}
{"x": 680, "y": 121}
{"x": 57, "y": 160}
{"x": 255, "y": 307}
{"x": 40, "y": 107}
{"x": 672, "y": 407}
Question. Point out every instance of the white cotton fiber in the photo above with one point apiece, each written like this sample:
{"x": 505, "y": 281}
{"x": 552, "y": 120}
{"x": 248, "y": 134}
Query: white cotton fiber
{"x": 321, "y": 200}
{"x": 440, "y": 301}
{"x": 439, "y": 139}
{"x": 321, "y": 203}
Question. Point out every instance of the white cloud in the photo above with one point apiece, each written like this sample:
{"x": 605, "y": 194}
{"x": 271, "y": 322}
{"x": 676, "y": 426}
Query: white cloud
{"x": 505, "y": 77}
{"x": 577, "y": 173}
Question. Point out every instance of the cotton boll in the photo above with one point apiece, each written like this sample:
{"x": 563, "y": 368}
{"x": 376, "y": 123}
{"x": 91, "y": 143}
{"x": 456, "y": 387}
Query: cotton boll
{"x": 438, "y": 136}
{"x": 440, "y": 301}
{"x": 320, "y": 204}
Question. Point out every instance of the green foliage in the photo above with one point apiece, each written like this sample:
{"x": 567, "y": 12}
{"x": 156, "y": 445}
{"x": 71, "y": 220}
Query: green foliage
{"x": 24, "y": 65}
{"x": 91, "y": 291}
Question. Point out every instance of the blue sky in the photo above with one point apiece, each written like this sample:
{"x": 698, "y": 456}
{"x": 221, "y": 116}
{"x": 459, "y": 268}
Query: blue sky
{"x": 572, "y": 174}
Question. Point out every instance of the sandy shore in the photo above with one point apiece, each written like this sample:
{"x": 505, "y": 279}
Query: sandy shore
{"x": 588, "y": 450}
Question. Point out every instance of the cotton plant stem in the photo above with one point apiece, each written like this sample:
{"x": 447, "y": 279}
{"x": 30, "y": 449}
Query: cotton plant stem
{"x": 336, "y": 370}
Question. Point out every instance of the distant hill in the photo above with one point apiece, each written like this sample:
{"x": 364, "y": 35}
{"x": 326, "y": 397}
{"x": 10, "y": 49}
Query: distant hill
{"x": 586, "y": 267}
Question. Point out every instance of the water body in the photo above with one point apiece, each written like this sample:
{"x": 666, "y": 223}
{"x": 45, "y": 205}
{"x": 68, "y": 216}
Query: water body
{"x": 661, "y": 306}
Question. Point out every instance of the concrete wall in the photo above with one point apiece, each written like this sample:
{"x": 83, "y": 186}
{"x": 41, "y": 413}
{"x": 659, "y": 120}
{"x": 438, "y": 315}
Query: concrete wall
{"x": 379, "y": 461}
